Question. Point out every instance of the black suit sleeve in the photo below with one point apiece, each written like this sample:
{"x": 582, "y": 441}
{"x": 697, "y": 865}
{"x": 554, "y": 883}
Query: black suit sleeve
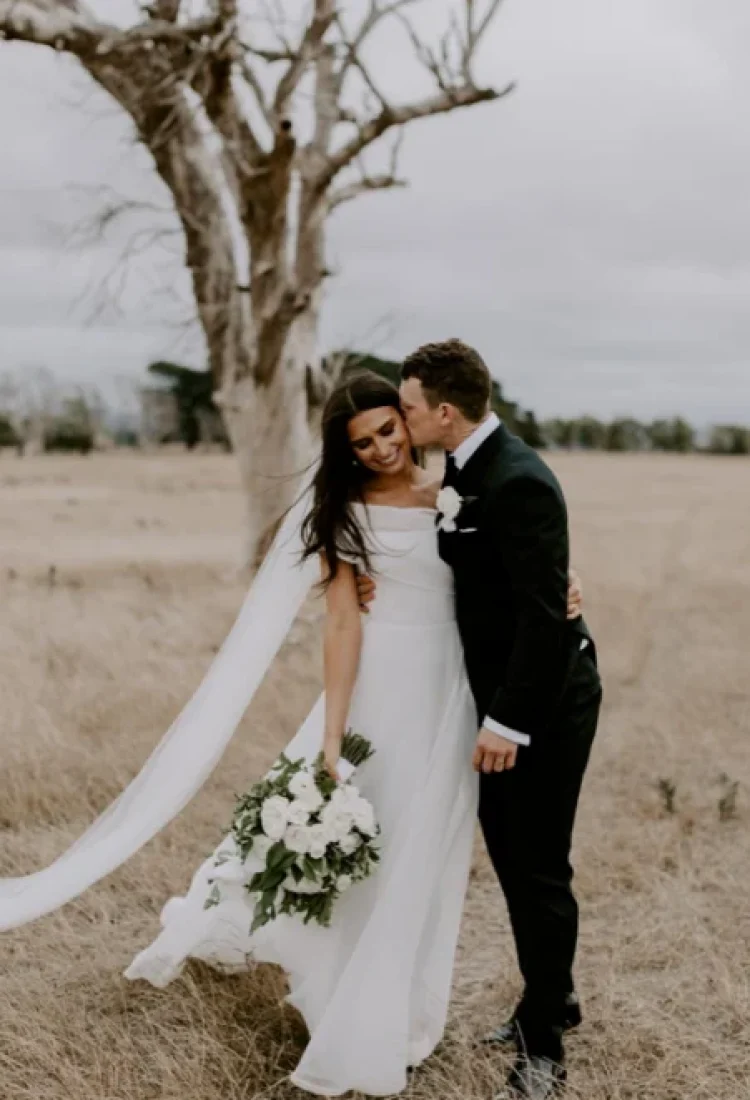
{"x": 529, "y": 527}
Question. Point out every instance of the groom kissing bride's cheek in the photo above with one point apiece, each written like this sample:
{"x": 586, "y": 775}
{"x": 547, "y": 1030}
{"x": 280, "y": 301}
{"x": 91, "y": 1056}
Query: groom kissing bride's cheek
{"x": 473, "y": 623}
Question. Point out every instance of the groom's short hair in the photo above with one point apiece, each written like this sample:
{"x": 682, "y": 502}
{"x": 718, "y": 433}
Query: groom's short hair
{"x": 453, "y": 372}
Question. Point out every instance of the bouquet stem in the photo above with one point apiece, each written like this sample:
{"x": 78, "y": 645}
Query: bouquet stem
{"x": 356, "y": 749}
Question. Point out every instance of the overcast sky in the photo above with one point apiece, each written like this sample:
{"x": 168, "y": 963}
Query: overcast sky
{"x": 590, "y": 234}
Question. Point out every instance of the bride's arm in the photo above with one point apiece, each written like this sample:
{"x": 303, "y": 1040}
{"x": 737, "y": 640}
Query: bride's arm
{"x": 341, "y": 648}
{"x": 575, "y": 595}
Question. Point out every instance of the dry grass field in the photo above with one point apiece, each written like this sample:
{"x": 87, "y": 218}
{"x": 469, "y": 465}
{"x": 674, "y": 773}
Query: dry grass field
{"x": 117, "y": 581}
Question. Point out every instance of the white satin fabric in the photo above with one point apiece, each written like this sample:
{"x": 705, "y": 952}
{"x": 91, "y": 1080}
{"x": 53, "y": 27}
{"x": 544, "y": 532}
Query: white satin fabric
{"x": 374, "y": 987}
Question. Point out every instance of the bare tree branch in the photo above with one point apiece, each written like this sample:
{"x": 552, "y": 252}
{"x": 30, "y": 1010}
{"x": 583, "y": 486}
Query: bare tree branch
{"x": 212, "y": 77}
{"x": 71, "y": 25}
{"x": 62, "y": 24}
{"x": 276, "y": 20}
{"x": 271, "y": 56}
{"x": 310, "y": 244}
{"x": 362, "y": 186}
{"x": 213, "y": 82}
{"x": 250, "y": 77}
{"x": 354, "y": 59}
{"x": 107, "y": 209}
{"x": 367, "y": 182}
{"x": 456, "y": 83}
{"x": 159, "y": 31}
{"x": 168, "y": 10}
{"x": 476, "y": 26}
{"x": 308, "y": 49}
{"x": 436, "y": 65}
{"x": 374, "y": 128}
{"x": 377, "y": 11}
{"x": 102, "y": 300}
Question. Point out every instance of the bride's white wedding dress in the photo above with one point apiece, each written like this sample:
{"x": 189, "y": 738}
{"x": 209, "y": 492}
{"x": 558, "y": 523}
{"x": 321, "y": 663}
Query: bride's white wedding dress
{"x": 374, "y": 987}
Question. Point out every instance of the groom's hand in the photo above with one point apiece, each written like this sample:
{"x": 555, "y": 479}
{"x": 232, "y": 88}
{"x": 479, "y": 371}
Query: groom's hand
{"x": 493, "y": 753}
{"x": 365, "y": 591}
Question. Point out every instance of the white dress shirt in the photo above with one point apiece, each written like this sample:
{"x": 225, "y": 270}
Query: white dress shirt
{"x": 473, "y": 442}
{"x": 461, "y": 455}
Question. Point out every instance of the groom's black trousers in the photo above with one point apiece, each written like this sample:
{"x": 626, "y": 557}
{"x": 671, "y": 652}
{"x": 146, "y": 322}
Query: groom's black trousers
{"x": 527, "y": 816}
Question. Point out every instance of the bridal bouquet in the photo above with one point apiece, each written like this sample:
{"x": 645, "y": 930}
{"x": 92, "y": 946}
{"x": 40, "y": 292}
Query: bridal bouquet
{"x": 299, "y": 840}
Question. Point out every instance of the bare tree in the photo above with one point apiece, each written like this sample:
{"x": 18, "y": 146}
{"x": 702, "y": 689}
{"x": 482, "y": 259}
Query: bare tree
{"x": 217, "y": 100}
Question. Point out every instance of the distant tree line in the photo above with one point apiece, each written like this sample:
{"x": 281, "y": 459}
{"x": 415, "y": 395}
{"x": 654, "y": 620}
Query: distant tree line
{"x": 37, "y": 415}
{"x": 675, "y": 436}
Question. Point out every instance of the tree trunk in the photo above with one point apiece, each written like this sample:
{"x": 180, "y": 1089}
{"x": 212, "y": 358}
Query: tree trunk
{"x": 270, "y": 429}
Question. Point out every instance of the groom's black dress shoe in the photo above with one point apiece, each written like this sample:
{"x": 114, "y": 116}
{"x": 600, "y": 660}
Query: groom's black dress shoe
{"x": 536, "y": 1078}
{"x": 507, "y": 1033}
{"x": 502, "y": 1036}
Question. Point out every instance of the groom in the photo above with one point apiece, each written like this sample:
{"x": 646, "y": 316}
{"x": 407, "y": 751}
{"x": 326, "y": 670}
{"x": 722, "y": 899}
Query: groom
{"x": 504, "y": 532}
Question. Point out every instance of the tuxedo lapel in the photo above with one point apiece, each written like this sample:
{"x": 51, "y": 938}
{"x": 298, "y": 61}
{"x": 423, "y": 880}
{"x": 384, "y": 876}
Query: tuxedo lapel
{"x": 474, "y": 471}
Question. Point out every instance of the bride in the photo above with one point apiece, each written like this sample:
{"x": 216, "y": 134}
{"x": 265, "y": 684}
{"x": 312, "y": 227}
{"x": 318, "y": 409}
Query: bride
{"x": 373, "y": 988}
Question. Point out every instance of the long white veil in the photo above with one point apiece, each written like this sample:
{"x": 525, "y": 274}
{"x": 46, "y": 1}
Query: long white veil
{"x": 190, "y": 750}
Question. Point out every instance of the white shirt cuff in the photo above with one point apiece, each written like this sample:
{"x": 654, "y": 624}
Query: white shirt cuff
{"x": 503, "y": 731}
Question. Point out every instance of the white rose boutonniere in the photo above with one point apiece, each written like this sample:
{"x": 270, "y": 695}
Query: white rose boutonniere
{"x": 449, "y": 504}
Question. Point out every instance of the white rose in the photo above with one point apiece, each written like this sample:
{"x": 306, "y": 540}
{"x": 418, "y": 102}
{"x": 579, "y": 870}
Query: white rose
{"x": 297, "y": 839}
{"x": 303, "y": 787}
{"x": 363, "y": 816}
{"x": 298, "y": 813}
{"x": 343, "y": 882}
{"x": 274, "y": 816}
{"x": 313, "y": 800}
{"x": 345, "y": 795}
{"x": 336, "y": 822}
{"x": 350, "y": 844}
{"x": 318, "y": 841}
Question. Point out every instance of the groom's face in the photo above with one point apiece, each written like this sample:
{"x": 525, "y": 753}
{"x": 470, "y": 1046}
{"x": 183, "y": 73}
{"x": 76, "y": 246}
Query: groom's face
{"x": 427, "y": 424}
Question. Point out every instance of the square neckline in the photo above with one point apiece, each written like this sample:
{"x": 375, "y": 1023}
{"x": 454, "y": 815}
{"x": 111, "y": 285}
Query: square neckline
{"x": 396, "y": 507}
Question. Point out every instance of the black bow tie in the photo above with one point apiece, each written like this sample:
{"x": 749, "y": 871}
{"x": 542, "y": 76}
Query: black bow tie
{"x": 450, "y": 478}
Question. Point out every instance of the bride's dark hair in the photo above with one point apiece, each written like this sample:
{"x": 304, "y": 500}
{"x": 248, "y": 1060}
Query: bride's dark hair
{"x": 331, "y": 527}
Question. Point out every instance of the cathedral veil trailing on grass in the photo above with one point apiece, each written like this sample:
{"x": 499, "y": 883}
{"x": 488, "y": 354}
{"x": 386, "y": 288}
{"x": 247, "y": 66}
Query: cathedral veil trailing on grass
{"x": 192, "y": 747}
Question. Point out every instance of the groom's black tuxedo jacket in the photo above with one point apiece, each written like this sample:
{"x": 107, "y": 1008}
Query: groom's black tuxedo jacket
{"x": 510, "y": 556}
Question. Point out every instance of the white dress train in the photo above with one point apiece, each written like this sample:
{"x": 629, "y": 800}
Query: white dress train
{"x": 373, "y": 988}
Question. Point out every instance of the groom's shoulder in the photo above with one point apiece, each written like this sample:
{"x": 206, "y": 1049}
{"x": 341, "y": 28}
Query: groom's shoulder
{"x": 518, "y": 460}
